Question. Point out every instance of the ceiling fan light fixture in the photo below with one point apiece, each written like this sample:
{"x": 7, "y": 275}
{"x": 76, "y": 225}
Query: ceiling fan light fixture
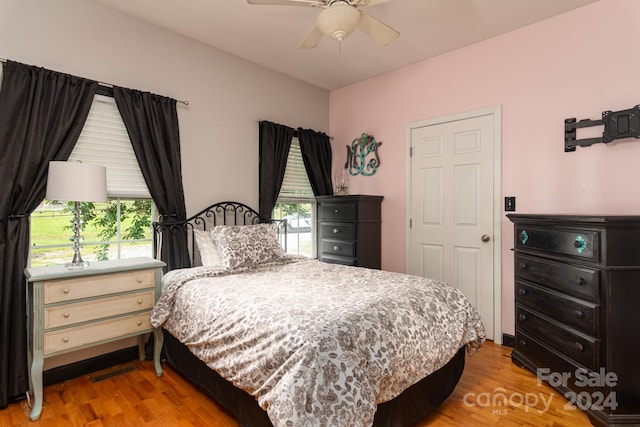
{"x": 338, "y": 20}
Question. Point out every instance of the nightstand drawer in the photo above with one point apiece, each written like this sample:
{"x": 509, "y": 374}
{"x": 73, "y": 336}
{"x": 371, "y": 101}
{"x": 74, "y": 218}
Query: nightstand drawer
{"x": 70, "y": 338}
{"x": 580, "y": 281}
{"x": 83, "y": 287}
{"x": 68, "y": 314}
{"x": 344, "y": 231}
{"x": 338, "y": 211}
{"x": 572, "y": 311}
{"x": 581, "y": 348}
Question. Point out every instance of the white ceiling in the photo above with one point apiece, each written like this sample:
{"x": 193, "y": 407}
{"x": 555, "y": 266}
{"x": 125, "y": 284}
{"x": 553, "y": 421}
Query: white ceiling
{"x": 269, "y": 35}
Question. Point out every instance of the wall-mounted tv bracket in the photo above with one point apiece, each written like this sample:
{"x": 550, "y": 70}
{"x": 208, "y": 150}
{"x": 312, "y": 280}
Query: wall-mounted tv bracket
{"x": 617, "y": 124}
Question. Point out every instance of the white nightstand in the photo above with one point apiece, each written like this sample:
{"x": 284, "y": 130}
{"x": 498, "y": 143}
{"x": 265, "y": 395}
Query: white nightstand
{"x": 73, "y": 309}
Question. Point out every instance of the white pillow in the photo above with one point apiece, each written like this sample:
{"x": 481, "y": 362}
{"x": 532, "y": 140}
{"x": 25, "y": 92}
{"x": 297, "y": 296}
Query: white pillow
{"x": 207, "y": 248}
{"x": 247, "y": 245}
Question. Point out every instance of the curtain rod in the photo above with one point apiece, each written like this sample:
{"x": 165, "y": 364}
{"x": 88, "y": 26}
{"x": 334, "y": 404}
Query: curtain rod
{"x": 295, "y": 131}
{"x": 109, "y": 85}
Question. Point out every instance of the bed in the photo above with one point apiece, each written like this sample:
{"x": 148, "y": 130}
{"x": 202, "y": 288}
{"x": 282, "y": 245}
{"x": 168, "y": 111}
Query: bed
{"x": 282, "y": 340}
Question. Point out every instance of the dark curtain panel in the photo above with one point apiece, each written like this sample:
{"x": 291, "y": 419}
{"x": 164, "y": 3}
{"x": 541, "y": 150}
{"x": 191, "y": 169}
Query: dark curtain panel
{"x": 316, "y": 155}
{"x": 152, "y": 123}
{"x": 275, "y": 142}
{"x": 42, "y": 113}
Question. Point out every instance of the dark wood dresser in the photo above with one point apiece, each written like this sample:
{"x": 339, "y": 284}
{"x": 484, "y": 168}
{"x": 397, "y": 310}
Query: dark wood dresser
{"x": 349, "y": 230}
{"x": 577, "y": 294}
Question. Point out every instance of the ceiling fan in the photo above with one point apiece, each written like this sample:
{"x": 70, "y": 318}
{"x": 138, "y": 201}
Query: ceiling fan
{"x": 338, "y": 19}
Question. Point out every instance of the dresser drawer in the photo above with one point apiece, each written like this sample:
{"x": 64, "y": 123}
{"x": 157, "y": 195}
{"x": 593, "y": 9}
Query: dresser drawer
{"x": 337, "y": 247}
{"x": 580, "y": 347}
{"x": 104, "y": 284}
{"x": 581, "y": 315}
{"x": 68, "y": 314}
{"x": 551, "y": 362}
{"x": 584, "y": 244}
{"x": 74, "y": 337}
{"x": 580, "y": 281}
{"x": 344, "y": 231}
{"x": 338, "y": 211}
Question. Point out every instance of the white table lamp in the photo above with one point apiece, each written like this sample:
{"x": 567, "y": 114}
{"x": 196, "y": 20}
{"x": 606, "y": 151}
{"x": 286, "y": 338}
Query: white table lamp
{"x": 76, "y": 182}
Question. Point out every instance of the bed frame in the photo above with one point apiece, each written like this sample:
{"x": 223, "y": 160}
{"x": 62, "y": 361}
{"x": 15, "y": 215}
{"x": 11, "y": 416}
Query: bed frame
{"x": 412, "y": 405}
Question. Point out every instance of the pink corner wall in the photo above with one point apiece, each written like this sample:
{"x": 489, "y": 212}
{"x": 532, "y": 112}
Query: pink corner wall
{"x": 575, "y": 65}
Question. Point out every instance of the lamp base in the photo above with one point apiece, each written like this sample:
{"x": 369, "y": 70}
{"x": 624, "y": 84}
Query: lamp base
{"x": 76, "y": 265}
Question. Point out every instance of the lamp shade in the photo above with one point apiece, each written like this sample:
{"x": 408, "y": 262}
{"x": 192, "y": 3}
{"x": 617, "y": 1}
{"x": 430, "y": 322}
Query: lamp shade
{"x": 76, "y": 182}
{"x": 338, "y": 21}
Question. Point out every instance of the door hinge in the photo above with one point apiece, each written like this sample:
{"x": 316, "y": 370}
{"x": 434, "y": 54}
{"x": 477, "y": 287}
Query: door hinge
{"x": 410, "y": 223}
{"x": 410, "y": 151}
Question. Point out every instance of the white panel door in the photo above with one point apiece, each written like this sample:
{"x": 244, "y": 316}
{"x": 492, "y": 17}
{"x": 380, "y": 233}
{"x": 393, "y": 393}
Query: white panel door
{"x": 451, "y": 234}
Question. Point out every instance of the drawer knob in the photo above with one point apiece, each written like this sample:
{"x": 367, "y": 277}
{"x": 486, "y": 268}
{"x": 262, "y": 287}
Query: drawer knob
{"x": 579, "y": 314}
{"x": 65, "y": 291}
{"x": 580, "y": 282}
{"x": 335, "y": 231}
{"x": 139, "y": 279}
{"x": 139, "y": 322}
{"x": 522, "y": 317}
{"x": 523, "y": 343}
{"x": 65, "y": 339}
{"x": 139, "y": 301}
{"x": 65, "y": 315}
{"x": 336, "y": 211}
{"x": 523, "y": 266}
{"x": 336, "y": 248}
{"x": 579, "y": 347}
{"x": 523, "y": 292}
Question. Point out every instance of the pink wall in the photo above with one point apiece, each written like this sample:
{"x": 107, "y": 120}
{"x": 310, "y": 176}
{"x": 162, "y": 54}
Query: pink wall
{"x": 574, "y": 65}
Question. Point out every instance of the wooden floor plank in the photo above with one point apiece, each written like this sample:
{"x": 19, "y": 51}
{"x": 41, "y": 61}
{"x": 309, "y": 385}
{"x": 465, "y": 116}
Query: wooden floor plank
{"x": 139, "y": 398}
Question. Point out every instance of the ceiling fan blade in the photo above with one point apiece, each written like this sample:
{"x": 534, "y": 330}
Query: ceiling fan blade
{"x": 382, "y": 33}
{"x": 365, "y": 3}
{"x": 319, "y": 3}
{"x": 312, "y": 39}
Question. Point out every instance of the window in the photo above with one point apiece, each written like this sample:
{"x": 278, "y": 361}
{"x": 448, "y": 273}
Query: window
{"x": 120, "y": 228}
{"x": 296, "y": 204}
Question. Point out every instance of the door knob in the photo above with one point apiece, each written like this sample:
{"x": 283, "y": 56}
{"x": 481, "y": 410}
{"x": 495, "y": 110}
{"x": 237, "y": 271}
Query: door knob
{"x": 485, "y": 238}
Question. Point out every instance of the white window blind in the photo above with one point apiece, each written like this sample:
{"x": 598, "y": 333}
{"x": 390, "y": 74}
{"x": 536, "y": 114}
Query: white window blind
{"x": 296, "y": 183}
{"x": 104, "y": 141}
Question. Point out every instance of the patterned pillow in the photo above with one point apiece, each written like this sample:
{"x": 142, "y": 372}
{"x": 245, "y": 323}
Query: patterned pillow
{"x": 208, "y": 251}
{"x": 247, "y": 245}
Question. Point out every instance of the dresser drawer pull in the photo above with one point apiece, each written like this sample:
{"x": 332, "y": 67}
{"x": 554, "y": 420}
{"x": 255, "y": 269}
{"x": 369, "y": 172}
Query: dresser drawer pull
{"x": 522, "y": 317}
{"x": 139, "y": 301}
{"x": 336, "y": 211}
{"x": 523, "y": 343}
{"x": 523, "y": 292}
{"x": 336, "y": 248}
{"x": 580, "y": 282}
{"x": 65, "y": 339}
{"x": 139, "y": 279}
{"x": 65, "y": 315}
{"x": 523, "y": 266}
{"x": 579, "y": 347}
{"x": 579, "y": 314}
{"x": 139, "y": 322}
{"x": 335, "y": 231}
{"x": 65, "y": 291}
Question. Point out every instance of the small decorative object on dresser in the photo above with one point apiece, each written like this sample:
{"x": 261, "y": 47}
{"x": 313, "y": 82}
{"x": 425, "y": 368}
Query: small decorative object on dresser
{"x": 349, "y": 230}
{"x": 577, "y": 289}
{"x": 73, "y": 309}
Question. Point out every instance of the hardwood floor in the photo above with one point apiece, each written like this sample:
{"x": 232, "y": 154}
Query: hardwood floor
{"x": 139, "y": 398}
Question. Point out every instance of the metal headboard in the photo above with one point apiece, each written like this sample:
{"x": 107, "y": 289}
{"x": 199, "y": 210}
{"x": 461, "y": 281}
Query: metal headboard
{"x": 222, "y": 213}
